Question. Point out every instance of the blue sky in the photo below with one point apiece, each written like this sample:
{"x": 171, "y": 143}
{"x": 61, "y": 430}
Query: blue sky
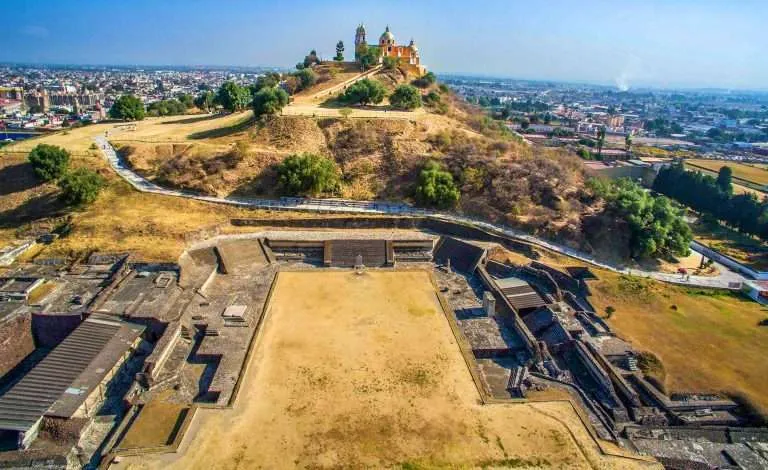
{"x": 675, "y": 43}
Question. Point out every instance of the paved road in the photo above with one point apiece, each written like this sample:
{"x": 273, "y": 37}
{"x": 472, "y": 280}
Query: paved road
{"x": 725, "y": 279}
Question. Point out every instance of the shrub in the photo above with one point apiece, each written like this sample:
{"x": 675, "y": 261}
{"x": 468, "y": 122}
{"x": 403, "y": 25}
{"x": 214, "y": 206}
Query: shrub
{"x": 406, "y": 97}
{"x": 49, "y": 162}
{"x": 428, "y": 79}
{"x": 269, "y": 101}
{"x": 80, "y": 186}
{"x": 307, "y": 78}
{"x": 308, "y": 174}
{"x": 365, "y": 91}
{"x": 391, "y": 63}
{"x": 436, "y": 187}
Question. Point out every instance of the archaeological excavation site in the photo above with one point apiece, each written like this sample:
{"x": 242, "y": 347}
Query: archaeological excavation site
{"x": 337, "y": 342}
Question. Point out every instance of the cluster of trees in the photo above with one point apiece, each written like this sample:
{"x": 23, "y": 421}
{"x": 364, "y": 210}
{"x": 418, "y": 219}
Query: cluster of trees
{"x": 308, "y": 174}
{"x": 169, "y": 107}
{"x": 369, "y": 91}
{"x": 657, "y": 228}
{"x": 436, "y": 187}
{"x": 78, "y": 186}
{"x": 662, "y": 127}
{"x": 128, "y": 108}
{"x": 714, "y": 196}
{"x": 368, "y": 56}
{"x": 311, "y": 59}
{"x": 233, "y": 97}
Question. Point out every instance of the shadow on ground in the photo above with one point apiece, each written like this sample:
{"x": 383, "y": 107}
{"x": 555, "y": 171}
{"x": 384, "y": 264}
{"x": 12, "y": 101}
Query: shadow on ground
{"x": 224, "y": 131}
{"x": 17, "y": 178}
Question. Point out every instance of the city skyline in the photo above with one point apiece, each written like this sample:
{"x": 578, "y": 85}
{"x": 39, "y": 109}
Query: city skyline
{"x": 680, "y": 44}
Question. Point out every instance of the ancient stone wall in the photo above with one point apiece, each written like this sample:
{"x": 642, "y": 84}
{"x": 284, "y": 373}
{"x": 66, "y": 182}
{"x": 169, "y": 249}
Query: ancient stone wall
{"x": 50, "y": 330}
{"x": 16, "y": 342}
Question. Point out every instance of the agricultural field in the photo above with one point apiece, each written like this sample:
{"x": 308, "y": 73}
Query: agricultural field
{"x": 363, "y": 371}
{"x": 744, "y": 171}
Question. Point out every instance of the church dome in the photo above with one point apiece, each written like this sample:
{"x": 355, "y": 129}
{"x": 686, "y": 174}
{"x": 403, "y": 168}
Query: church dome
{"x": 361, "y": 28}
{"x": 387, "y": 36}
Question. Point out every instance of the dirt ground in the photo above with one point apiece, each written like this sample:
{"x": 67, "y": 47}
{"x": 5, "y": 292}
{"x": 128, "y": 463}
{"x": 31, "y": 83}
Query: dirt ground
{"x": 364, "y": 372}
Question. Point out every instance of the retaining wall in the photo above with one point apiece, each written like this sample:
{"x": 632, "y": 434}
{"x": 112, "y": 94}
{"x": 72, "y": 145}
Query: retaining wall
{"x": 16, "y": 341}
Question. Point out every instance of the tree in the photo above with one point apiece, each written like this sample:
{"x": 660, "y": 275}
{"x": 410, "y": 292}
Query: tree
{"x": 368, "y": 56}
{"x": 166, "y": 108}
{"x": 600, "y": 142}
{"x": 428, "y": 79}
{"x": 339, "y": 52}
{"x": 49, "y": 162}
{"x": 656, "y": 227}
{"x": 269, "y": 101}
{"x": 206, "y": 101}
{"x": 307, "y": 78}
{"x": 724, "y": 180}
{"x": 436, "y": 187}
{"x": 187, "y": 100}
{"x": 268, "y": 80}
{"x": 127, "y": 107}
{"x": 80, "y": 186}
{"x": 365, "y": 91}
{"x": 391, "y": 63}
{"x": 406, "y": 97}
{"x": 628, "y": 143}
{"x": 233, "y": 97}
{"x": 310, "y": 59}
{"x": 308, "y": 174}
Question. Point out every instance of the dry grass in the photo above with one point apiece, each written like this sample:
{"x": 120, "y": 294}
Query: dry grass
{"x": 154, "y": 426}
{"x": 707, "y": 340}
{"x": 373, "y": 378}
{"x": 741, "y": 247}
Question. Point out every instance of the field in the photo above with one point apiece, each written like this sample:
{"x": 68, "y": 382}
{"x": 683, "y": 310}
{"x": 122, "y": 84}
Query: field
{"x": 364, "y": 372}
{"x": 744, "y": 171}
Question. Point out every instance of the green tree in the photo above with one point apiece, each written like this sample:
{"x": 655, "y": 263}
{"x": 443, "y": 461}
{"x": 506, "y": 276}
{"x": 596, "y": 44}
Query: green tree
{"x": 656, "y": 227}
{"x": 368, "y": 56}
{"x": 600, "y": 142}
{"x": 233, "y": 97}
{"x": 628, "y": 143}
{"x": 268, "y": 80}
{"x": 127, "y": 107}
{"x": 365, "y": 91}
{"x": 311, "y": 59}
{"x": 187, "y": 100}
{"x": 391, "y": 63}
{"x": 307, "y": 78}
{"x": 308, "y": 174}
{"x": 49, "y": 162}
{"x": 80, "y": 186}
{"x": 406, "y": 97}
{"x": 206, "y": 101}
{"x": 425, "y": 81}
{"x": 725, "y": 179}
{"x": 269, "y": 101}
{"x": 339, "y": 52}
{"x": 436, "y": 187}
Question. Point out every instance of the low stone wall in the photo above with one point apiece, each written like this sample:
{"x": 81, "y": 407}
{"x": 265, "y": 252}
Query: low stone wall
{"x": 16, "y": 341}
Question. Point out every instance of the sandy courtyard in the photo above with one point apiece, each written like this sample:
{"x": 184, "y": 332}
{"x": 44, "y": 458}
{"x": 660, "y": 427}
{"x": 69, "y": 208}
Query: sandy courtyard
{"x": 364, "y": 372}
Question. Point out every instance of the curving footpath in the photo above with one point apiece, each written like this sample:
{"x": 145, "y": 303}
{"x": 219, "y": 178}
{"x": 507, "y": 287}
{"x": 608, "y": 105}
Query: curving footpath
{"x": 727, "y": 279}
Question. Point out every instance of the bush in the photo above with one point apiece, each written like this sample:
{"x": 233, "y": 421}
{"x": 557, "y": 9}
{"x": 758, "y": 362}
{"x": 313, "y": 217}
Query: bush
{"x": 365, "y": 91}
{"x": 406, "y": 97}
{"x": 233, "y": 97}
{"x": 428, "y": 79}
{"x": 269, "y": 101}
{"x": 432, "y": 98}
{"x": 80, "y": 186}
{"x": 49, "y": 162}
{"x": 128, "y": 107}
{"x": 166, "y": 108}
{"x": 391, "y": 63}
{"x": 307, "y": 78}
{"x": 308, "y": 174}
{"x": 436, "y": 187}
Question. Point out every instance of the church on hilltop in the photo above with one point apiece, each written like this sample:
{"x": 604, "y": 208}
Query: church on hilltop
{"x": 407, "y": 54}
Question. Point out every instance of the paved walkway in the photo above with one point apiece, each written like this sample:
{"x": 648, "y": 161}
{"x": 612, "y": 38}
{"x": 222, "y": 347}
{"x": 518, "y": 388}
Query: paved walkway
{"x": 726, "y": 278}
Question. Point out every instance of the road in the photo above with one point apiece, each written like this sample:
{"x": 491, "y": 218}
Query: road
{"x": 726, "y": 279}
